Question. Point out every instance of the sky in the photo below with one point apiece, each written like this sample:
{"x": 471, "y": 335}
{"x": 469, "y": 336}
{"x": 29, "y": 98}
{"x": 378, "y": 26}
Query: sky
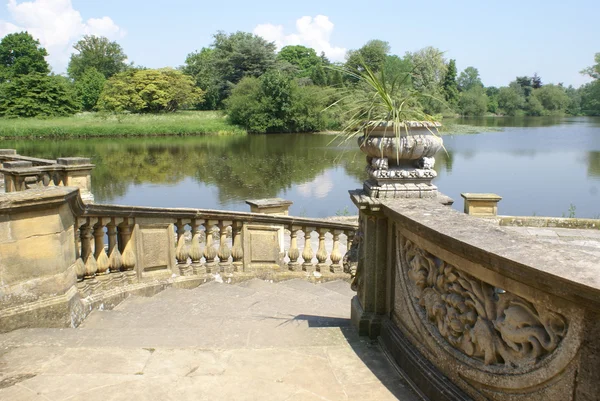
{"x": 555, "y": 39}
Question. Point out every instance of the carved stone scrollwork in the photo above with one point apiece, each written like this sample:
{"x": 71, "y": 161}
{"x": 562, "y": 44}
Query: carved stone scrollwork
{"x": 486, "y": 323}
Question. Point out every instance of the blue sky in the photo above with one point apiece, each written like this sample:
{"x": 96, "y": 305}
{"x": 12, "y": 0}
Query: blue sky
{"x": 501, "y": 39}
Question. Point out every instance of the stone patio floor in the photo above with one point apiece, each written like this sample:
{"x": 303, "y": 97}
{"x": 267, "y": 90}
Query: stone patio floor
{"x": 250, "y": 341}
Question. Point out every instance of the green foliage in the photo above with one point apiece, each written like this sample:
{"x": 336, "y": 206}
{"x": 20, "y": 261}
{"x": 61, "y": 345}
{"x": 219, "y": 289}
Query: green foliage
{"x": 89, "y": 87}
{"x": 593, "y": 71}
{"x": 492, "y": 94}
{"x": 149, "y": 91}
{"x": 275, "y": 103}
{"x": 380, "y": 100}
{"x": 230, "y": 58}
{"x": 37, "y": 94}
{"x": 97, "y": 52}
{"x": 303, "y": 57}
{"x": 449, "y": 85}
{"x": 240, "y": 55}
{"x": 318, "y": 76}
{"x": 574, "y": 106}
{"x": 21, "y": 54}
{"x": 473, "y": 102}
{"x": 116, "y": 125}
{"x": 590, "y": 98}
{"x": 553, "y": 98}
{"x": 469, "y": 79}
{"x": 510, "y": 100}
{"x": 533, "y": 107}
{"x": 201, "y": 67}
{"x": 372, "y": 54}
{"x": 429, "y": 70}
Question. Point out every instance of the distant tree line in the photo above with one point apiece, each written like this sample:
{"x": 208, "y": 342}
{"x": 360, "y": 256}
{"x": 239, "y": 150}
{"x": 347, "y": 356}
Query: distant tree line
{"x": 262, "y": 89}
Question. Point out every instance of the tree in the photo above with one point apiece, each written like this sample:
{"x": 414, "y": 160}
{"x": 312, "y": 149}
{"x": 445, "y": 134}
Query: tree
{"x": 574, "y": 107}
{"x": 230, "y": 58}
{"x": 242, "y": 54}
{"x": 449, "y": 85}
{"x": 536, "y": 81}
{"x": 590, "y": 98}
{"x": 510, "y": 100}
{"x": 37, "y": 94}
{"x": 318, "y": 76}
{"x": 98, "y": 52}
{"x": 553, "y": 98}
{"x": 200, "y": 65}
{"x": 149, "y": 91}
{"x": 473, "y": 102}
{"x": 593, "y": 71}
{"x": 468, "y": 79}
{"x": 275, "y": 103}
{"x": 395, "y": 67}
{"x": 372, "y": 54}
{"x": 526, "y": 85}
{"x": 303, "y": 57}
{"x": 492, "y": 94}
{"x": 429, "y": 70}
{"x": 21, "y": 54}
{"x": 89, "y": 87}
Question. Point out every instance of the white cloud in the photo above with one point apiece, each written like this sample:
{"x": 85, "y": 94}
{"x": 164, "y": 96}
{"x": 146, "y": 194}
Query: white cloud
{"x": 311, "y": 32}
{"x": 57, "y": 25}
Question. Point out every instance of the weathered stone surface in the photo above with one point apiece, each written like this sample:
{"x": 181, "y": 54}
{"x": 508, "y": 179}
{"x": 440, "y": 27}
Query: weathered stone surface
{"x": 481, "y": 204}
{"x": 253, "y": 341}
{"x": 274, "y": 206}
{"x": 502, "y": 315}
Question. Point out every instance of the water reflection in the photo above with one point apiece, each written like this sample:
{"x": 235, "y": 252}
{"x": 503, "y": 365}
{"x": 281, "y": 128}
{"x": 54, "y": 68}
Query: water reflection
{"x": 538, "y": 165}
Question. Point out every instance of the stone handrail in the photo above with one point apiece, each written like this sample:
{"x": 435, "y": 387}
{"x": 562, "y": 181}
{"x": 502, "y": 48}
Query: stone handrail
{"x": 23, "y": 172}
{"x": 61, "y": 257}
{"x": 470, "y": 310}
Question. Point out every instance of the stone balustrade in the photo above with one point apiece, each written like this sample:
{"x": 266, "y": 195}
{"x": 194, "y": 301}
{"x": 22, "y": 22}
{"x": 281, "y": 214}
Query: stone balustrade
{"x": 22, "y": 172}
{"x": 60, "y": 257}
{"x": 473, "y": 311}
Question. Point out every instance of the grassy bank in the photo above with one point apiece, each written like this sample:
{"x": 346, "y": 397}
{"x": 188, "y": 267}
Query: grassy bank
{"x": 100, "y": 125}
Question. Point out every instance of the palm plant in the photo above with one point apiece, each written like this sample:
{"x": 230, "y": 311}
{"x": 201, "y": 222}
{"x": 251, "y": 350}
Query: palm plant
{"x": 383, "y": 102}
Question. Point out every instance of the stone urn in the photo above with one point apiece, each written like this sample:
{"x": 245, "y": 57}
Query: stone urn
{"x": 401, "y": 166}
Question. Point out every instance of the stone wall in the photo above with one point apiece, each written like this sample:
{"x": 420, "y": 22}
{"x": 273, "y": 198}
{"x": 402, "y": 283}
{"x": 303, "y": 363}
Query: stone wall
{"x": 37, "y": 258}
{"x": 472, "y": 311}
{"x": 60, "y": 257}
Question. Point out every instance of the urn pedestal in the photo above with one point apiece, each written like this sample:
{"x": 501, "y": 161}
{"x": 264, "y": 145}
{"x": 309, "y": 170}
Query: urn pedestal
{"x": 401, "y": 166}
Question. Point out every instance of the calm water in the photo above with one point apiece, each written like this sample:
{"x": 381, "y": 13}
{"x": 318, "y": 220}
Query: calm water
{"x": 539, "y": 166}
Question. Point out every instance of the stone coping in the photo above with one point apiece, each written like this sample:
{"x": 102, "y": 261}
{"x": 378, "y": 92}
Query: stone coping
{"x": 46, "y": 197}
{"x": 481, "y": 197}
{"x": 98, "y": 210}
{"x": 557, "y": 269}
{"x": 553, "y": 222}
{"x": 270, "y": 202}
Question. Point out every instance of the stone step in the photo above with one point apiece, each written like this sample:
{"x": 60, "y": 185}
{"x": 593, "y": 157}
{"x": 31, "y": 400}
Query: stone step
{"x": 340, "y": 286}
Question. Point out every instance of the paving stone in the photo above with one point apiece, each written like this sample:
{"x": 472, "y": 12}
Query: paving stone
{"x": 251, "y": 341}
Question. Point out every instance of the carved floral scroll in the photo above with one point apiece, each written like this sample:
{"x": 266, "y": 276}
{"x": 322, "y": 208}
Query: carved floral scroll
{"x": 483, "y": 322}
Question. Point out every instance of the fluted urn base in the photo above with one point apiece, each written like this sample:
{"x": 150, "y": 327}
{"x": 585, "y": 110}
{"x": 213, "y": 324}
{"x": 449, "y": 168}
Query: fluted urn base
{"x": 401, "y": 166}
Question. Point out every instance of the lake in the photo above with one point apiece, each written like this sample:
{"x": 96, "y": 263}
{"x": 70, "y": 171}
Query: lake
{"x": 540, "y": 166}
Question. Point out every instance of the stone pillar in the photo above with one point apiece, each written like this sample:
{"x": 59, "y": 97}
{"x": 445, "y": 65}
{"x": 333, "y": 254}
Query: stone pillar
{"x": 483, "y": 205}
{"x": 77, "y": 173}
{"x": 272, "y": 206}
{"x": 38, "y": 259}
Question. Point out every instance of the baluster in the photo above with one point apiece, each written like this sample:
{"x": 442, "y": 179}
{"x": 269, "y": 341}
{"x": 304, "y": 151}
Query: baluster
{"x": 224, "y": 251}
{"x": 86, "y": 250}
{"x": 128, "y": 254}
{"x": 336, "y": 255}
{"x": 322, "y": 252}
{"x": 237, "y": 251}
{"x": 307, "y": 253}
{"x": 349, "y": 241}
{"x": 79, "y": 264}
{"x": 195, "y": 251}
{"x": 294, "y": 252}
{"x": 114, "y": 255}
{"x": 209, "y": 251}
{"x": 99, "y": 251}
{"x": 182, "y": 252}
